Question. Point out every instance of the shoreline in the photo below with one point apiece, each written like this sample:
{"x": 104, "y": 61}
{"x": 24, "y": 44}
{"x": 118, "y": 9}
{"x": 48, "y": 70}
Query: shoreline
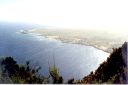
{"x": 72, "y": 43}
{"x": 63, "y": 41}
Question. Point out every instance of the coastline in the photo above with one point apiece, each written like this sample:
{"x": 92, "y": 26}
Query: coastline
{"x": 99, "y": 39}
{"x": 62, "y": 40}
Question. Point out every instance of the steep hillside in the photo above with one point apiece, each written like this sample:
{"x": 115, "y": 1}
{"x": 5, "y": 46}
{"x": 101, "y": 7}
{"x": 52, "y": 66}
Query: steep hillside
{"x": 113, "y": 70}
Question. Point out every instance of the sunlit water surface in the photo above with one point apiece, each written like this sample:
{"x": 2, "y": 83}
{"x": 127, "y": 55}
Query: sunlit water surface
{"x": 73, "y": 61}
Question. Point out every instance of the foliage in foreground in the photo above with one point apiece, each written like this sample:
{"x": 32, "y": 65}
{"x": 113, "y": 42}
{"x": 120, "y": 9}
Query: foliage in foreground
{"x": 113, "y": 70}
{"x": 11, "y": 72}
{"x": 20, "y": 73}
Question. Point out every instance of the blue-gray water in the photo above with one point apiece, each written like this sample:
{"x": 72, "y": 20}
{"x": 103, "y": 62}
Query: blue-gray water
{"x": 73, "y": 61}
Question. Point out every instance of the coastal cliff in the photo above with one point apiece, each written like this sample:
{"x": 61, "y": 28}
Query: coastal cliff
{"x": 113, "y": 70}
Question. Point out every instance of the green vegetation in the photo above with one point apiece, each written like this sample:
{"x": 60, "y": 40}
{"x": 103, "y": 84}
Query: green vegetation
{"x": 54, "y": 72}
{"x": 20, "y": 73}
{"x": 113, "y": 70}
{"x": 11, "y": 72}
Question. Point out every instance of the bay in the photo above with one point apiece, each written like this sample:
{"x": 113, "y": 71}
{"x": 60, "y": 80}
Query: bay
{"x": 73, "y": 60}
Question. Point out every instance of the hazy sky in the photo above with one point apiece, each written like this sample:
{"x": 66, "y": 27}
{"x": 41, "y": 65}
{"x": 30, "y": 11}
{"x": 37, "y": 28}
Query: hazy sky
{"x": 95, "y": 14}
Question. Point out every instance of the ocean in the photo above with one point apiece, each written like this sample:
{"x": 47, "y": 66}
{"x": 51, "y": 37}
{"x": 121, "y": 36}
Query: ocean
{"x": 73, "y": 60}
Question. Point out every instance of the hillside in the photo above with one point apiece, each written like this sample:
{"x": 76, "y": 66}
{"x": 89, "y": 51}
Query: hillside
{"x": 113, "y": 70}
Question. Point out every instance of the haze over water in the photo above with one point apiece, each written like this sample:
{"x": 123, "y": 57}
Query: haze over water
{"x": 76, "y": 14}
{"x": 72, "y": 60}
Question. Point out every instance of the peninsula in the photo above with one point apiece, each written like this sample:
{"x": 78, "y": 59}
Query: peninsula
{"x": 101, "y": 39}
